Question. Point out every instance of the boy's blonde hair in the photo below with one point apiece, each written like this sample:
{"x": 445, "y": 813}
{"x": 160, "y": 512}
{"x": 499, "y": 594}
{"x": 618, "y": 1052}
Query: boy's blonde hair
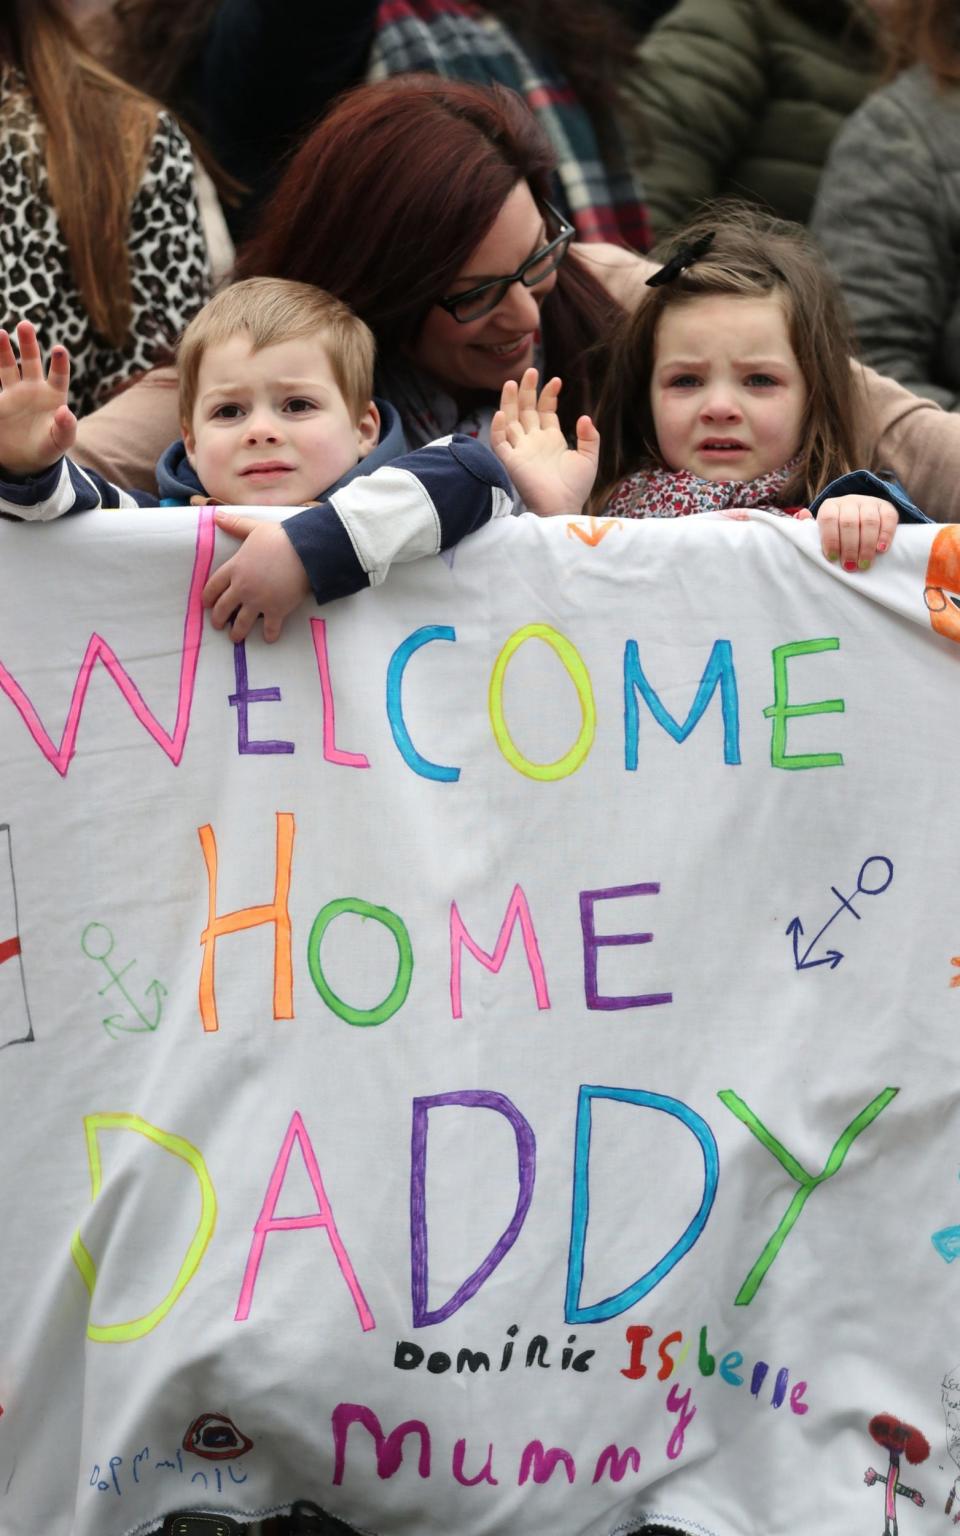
{"x": 270, "y": 310}
{"x": 752, "y": 255}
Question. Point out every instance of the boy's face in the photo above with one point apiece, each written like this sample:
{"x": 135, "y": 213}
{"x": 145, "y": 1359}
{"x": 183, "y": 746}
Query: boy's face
{"x": 727, "y": 394}
{"x": 271, "y": 428}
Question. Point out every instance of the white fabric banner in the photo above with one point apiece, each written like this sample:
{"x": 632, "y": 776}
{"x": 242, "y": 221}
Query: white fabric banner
{"x": 487, "y": 1063}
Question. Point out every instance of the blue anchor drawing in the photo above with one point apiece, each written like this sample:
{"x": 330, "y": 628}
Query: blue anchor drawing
{"x": 834, "y": 956}
{"x": 114, "y": 1023}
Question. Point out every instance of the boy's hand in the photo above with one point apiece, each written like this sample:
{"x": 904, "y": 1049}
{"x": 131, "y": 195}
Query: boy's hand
{"x": 37, "y": 426}
{"x": 855, "y": 528}
{"x": 526, "y": 437}
{"x": 264, "y": 579}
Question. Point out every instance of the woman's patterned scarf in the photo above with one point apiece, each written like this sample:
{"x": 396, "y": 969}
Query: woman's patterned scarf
{"x": 680, "y": 493}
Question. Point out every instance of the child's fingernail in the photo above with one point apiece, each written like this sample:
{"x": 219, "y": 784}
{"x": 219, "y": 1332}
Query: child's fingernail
{"x": 882, "y": 547}
{"x": 849, "y": 565}
{"x": 863, "y": 565}
{"x": 833, "y": 555}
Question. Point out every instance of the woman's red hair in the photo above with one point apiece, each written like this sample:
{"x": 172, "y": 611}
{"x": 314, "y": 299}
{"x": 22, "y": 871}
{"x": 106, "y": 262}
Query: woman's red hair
{"x": 388, "y": 196}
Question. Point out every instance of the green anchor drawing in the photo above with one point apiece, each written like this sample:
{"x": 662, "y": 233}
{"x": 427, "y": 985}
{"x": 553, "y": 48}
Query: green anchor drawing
{"x": 114, "y": 1023}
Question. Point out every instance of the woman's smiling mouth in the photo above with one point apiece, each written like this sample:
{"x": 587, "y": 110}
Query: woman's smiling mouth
{"x": 506, "y": 350}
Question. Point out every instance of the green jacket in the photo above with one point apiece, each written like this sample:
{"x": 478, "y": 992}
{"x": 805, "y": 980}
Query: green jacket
{"x": 743, "y": 97}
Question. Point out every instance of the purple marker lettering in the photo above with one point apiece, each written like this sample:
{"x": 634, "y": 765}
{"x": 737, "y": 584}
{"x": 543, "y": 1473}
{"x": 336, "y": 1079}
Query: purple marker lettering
{"x": 526, "y": 1169}
{"x": 241, "y": 701}
{"x": 592, "y": 942}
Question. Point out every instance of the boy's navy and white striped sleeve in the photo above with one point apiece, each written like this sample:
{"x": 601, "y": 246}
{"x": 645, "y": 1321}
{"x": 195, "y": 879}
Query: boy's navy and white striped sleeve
{"x": 63, "y": 488}
{"x": 422, "y": 503}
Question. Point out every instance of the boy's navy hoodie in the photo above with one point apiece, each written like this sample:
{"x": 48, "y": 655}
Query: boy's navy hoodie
{"x": 390, "y": 506}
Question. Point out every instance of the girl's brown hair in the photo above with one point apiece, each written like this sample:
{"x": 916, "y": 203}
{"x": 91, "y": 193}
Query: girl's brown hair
{"x": 923, "y": 32}
{"x": 391, "y": 193}
{"x": 752, "y": 256}
{"x": 98, "y": 131}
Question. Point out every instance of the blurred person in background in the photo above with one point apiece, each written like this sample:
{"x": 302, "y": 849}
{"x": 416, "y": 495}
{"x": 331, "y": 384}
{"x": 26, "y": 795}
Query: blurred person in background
{"x": 568, "y": 61}
{"x": 742, "y": 98}
{"x": 225, "y": 67}
{"x": 157, "y": 50}
{"x": 100, "y": 238}
{"x": 888, "y": 209}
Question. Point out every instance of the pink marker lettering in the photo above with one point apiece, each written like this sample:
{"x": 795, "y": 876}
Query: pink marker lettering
{"x": 98, "y": 650}
{"x": 517, "y": 912}
{"x": 331, "y": 752}
{"x": 267, "y": 1222}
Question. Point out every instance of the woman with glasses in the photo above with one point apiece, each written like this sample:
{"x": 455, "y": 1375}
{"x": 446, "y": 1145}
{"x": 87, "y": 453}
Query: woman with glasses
{"x": 427, "y": 205}
{"x": 458, "y": 260}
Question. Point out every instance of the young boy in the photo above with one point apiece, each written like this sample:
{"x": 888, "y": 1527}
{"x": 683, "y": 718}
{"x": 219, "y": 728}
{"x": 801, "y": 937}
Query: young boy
{"x": 276, "y": 408}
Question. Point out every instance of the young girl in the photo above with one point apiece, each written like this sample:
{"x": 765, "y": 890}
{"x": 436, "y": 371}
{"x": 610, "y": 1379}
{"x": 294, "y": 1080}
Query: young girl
{"x": 729, "y": 387}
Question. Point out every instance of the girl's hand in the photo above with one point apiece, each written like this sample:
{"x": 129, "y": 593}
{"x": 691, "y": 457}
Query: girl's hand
{"x": 525, "y": 434}
{"x": 265, "y": 579}
{"x": 855, "y": 528}
{"x": 37, "y": 426}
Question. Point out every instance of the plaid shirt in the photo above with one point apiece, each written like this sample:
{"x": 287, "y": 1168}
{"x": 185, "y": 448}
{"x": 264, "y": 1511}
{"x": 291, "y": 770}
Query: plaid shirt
{"x": 602, "y": 196}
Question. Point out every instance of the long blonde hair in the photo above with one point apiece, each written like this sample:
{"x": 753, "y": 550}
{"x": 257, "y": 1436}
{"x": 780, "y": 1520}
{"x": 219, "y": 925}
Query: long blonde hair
{"x": 98, "y": 131}
{"x": 752, "y": 255}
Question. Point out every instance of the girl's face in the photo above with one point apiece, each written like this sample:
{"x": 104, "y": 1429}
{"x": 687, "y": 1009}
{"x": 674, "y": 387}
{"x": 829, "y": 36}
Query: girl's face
{"x": 483, "y": 354}
{"x": 727, "y": 394}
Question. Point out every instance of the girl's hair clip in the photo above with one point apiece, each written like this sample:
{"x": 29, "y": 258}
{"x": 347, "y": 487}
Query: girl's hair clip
{"x": 681, "y": 260}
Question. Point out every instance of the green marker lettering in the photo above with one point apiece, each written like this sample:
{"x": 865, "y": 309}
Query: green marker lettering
{"x": 808, "y": 1182}
{"x": 397, "y": 995}
{"x": 781, "y": 710}
{"x": 705, "y": 1360}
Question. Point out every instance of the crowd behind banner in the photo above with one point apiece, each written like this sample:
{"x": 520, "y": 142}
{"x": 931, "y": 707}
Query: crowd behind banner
{"x": 402, "y": 270}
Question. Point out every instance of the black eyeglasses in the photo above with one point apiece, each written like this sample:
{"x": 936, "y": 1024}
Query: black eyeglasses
{"x": 479, "y": 301}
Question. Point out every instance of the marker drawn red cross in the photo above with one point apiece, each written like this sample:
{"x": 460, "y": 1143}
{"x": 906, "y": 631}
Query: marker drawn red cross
{"x": 9, "y": 948}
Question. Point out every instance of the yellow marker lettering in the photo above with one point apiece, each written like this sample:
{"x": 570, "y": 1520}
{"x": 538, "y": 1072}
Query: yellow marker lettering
{"x": 579, "y": 676}
{"x": 116, "y": 1333}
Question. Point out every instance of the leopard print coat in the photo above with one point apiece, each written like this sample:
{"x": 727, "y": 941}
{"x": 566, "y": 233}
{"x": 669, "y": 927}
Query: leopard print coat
{"x": 169, "y": 266}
